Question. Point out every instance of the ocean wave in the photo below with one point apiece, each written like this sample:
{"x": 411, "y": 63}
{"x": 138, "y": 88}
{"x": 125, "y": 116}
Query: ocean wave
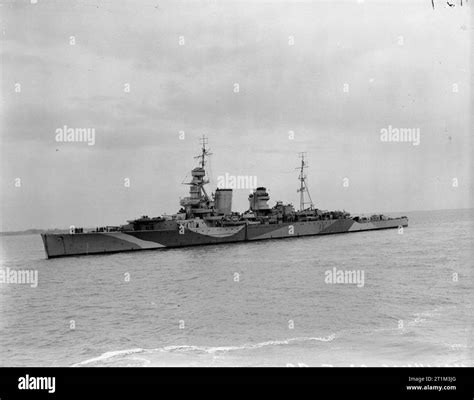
{"x": 224, "y": 349}
{"x": 203, "y": 349}
{"x": 108, "y": 355}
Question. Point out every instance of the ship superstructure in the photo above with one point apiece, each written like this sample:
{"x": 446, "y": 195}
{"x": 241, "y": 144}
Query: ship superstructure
{"x": 208, "y": 219}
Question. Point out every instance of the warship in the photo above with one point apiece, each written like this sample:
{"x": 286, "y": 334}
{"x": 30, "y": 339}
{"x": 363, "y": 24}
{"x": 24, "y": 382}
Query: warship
{"x": 205, "y": 219}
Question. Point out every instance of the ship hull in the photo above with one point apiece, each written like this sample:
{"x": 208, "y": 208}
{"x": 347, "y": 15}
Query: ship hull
{"x": 62, "y": 245}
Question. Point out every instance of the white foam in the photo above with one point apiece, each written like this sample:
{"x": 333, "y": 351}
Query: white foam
{"x": 206, "y": 349}
{"x": 212, "y": 350}
{"x": 109, "y": 354}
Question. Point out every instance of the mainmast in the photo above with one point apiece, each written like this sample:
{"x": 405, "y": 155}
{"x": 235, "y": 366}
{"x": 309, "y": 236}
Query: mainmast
{"x": 303, "y": 185}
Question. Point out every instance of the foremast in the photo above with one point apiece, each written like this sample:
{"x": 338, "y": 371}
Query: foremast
{"x": 198, "y": 203}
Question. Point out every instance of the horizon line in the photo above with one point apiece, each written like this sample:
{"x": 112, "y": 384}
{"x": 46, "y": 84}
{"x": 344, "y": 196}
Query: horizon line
{"x": 410, "y": 211}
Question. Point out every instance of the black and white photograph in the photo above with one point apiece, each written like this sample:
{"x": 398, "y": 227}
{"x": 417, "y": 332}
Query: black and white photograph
{"x": 210, "y": 183}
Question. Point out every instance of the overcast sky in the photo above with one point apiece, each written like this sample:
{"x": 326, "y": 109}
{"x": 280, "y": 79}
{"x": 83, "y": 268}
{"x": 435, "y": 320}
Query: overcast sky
{"x": 405, "y": 64}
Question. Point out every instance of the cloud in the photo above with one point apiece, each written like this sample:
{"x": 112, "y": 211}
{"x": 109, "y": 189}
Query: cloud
{"x": 282, "y": 87}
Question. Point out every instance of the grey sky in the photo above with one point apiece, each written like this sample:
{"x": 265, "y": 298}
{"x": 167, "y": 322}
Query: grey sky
{"x": 400, "y": 60}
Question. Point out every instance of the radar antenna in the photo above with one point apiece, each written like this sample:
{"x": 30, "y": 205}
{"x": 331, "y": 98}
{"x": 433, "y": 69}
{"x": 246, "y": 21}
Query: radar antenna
{"x": 204, "y": 151}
